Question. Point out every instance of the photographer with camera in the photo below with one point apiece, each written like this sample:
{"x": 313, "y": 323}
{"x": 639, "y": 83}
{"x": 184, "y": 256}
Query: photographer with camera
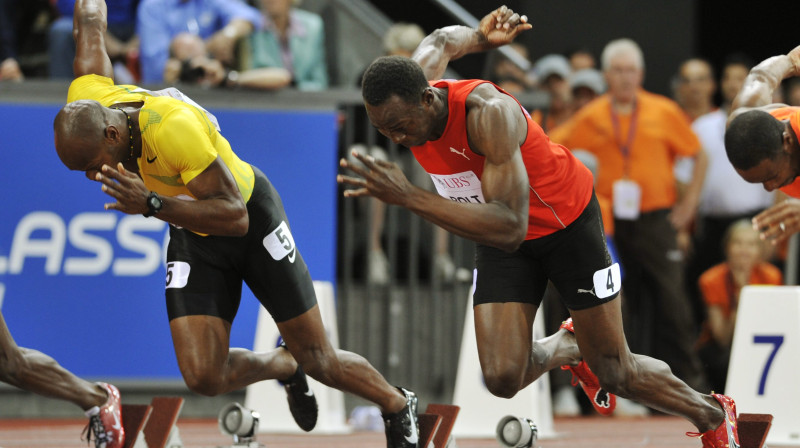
{"x": 190, "y": 63}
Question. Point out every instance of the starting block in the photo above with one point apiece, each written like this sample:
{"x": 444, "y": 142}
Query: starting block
{"x": 753, "y": 429}
{"x": 436, "y": 426}
{"x": 153, "y": 425}
{"x": 134, "y": 419}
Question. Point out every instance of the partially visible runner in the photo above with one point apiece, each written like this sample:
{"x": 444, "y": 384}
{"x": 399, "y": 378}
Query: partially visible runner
{"x": 160, "y": 154}
{"x": 36, "y": 372}
{"x": 762, "y": 143}
{"x": 529, "y": 205}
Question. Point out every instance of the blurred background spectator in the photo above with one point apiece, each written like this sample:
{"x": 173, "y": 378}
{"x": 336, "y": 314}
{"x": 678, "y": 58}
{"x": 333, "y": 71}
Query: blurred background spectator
{"x": 122, "y": 42}
{"x": 293, "y": 39}
{"x": 585, "y": 85}
{"x": 507, "y": 75}
{"x": 190, "y": 63}
{"x": 552, "y": 72}
{"x": 23, "y": 27}
{"x": 720, "y": 286}
{"x": 220, "y": 23}
{"x": 581, "y": 59}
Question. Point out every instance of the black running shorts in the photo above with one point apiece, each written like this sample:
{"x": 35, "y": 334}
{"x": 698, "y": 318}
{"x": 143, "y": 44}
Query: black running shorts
{"x": 205, "y": 273}
{"x": 575, "y": 259}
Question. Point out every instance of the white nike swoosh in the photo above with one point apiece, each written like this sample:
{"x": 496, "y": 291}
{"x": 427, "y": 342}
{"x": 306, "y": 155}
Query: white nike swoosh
{"x": 291, "y": 255}
{"x": 414, "y": 436}
{"x": 309, "y": 393}
{"x": 116, "y": 424}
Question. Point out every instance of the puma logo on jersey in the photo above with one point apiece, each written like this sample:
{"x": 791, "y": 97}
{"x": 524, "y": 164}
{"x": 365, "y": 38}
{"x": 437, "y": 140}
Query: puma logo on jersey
{"x": 586, "y": 291}
{"x": 462, "y": 153}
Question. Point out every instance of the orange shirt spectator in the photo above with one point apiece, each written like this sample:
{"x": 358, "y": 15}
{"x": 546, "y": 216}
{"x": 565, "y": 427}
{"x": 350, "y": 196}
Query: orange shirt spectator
{"x": 662, "y": 132}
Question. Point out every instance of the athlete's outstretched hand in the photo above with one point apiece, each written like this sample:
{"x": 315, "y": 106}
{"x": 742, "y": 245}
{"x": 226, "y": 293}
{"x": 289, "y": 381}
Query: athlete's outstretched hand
{"x": 502, "y": 25}
{"x": 126, "y": 187}
{"x": 378, "y": 178}
{"x": 778, "y": 222}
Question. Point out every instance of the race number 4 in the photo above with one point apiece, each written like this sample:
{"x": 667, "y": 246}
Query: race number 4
{"x": 280, "y": 243}
{"x": 607, "y": 282}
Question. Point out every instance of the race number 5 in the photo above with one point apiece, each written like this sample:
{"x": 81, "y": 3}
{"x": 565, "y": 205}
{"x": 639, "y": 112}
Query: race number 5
{"x": 776, "y": 342}
{"x": 280, "y": 243}
{"x": 607, "y": 282}
{"x": 177, "y": 274}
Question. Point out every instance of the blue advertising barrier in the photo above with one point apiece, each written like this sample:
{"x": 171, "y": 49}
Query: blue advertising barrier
{"x": 86, "y": 286}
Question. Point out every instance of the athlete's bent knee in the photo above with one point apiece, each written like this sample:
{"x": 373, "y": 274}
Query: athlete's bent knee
{"x": 503, "y": 383}
{"x": 203, "y": 381}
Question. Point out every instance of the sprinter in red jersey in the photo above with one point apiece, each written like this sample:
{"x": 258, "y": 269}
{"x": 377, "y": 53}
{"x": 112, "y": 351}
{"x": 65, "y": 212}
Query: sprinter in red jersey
{"x": 529, "y": 205}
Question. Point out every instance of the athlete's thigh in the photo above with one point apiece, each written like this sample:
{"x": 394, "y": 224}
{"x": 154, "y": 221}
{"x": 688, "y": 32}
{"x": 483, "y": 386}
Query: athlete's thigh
{"x": 199, "y": 280}
{"x": 201, "y": 342}
{"x": 273, "y": 268}
{"x": 599, "y": 333}
{"x": 578, "y": 263}
{"x": 504, "y": 332}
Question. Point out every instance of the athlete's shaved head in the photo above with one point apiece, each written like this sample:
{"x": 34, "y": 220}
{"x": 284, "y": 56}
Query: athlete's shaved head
{"x": 752, "y": 137}
{"x": 78, "y": 128}
{"x": 393, "y": 75}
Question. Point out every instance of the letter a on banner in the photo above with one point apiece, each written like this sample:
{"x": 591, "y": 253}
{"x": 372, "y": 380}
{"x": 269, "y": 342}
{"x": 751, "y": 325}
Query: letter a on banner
{"x": 269, "y": 398}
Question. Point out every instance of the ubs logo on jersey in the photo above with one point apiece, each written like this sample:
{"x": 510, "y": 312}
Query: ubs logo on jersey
{"x": 459, "y": 187}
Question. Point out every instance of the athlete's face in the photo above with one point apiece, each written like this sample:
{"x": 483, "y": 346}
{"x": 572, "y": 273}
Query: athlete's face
{"x": 771, "y": 173}
{"x": 404, "y": 123}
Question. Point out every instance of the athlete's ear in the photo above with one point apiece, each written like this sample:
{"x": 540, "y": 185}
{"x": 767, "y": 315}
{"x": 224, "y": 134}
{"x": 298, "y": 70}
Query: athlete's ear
{"x": 428, "y": 96}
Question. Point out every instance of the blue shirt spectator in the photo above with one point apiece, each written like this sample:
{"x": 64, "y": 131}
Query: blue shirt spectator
{"x": 161, "y": 20}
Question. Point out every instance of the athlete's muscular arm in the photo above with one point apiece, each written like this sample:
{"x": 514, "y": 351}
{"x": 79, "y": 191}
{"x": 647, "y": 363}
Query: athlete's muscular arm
{"x": 88, "y": 29}
{"x": 764, "y": 78}
{"x": 219, "y": 208}
{"x": 498, "y": 28}
{"x": 495, "y": 126}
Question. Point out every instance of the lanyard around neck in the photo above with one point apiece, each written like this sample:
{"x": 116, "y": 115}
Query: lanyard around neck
{"x": 625, "y": 147}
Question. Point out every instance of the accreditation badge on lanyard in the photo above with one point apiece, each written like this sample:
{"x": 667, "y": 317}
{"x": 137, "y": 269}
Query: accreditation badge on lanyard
{"x": 627, "y": 193}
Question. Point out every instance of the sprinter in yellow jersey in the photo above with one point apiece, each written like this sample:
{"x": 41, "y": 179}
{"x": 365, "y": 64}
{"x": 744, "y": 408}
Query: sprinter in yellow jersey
{"x": 160, "y": 154}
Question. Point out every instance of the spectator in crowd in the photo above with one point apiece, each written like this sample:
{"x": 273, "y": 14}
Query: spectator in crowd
{"x": 220, "y": 23}
{"x": 636, "y": 135}
{"x": 9, "y": 66}
{"x": 552, "y": 72}
{"x": 725, "y": 198}
{"x": 586, "y": 85}
{"x": 694, "y": 87}
{"x": 122, "y": 43}
{"x": 18, "y": 24}
{"x": 191, "y": 63}
{"x": 508, "y": 75}
{"x": 293, "y": 39}
{"x": 581, "y": 59}
{"x": 793, "y": 92}
{"x": 720, "y": 286}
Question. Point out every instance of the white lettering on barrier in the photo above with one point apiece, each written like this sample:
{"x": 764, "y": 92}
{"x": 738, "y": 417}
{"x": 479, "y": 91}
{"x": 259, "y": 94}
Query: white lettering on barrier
{"x": 765, "y": 359}
{"x": 43, "y": 234}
